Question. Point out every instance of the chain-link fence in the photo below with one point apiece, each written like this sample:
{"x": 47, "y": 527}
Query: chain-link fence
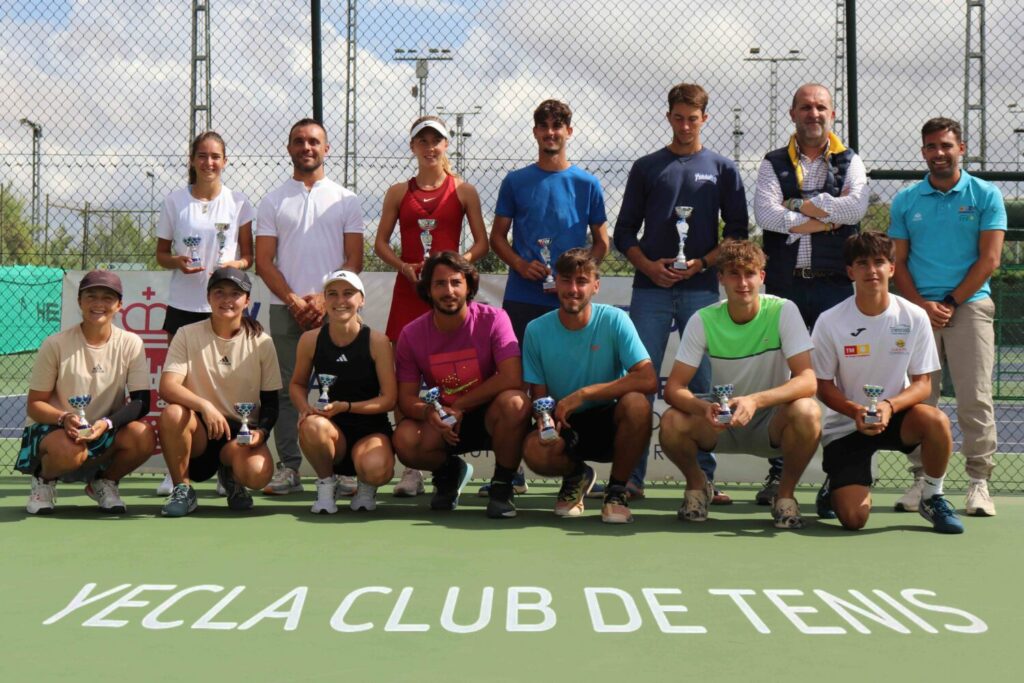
{"x": 98, "y": 108}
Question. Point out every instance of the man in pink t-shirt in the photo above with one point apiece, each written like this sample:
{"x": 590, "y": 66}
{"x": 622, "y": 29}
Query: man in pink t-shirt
{"x": 468, "y": 354}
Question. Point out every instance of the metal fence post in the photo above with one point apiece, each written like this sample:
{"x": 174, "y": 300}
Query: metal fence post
{"x": 85, "y": 234}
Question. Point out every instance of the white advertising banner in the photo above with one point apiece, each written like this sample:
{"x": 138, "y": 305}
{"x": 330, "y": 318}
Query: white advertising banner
{"x": 145, "y": 295}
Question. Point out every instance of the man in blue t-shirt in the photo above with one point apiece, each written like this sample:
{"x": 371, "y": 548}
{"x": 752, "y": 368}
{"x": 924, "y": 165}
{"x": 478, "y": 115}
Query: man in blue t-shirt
{"x": 948, "y": 234}
{"x": 589, "y": 359}
{"x": 683, "y": 173}
{"x": 549, "y": 200}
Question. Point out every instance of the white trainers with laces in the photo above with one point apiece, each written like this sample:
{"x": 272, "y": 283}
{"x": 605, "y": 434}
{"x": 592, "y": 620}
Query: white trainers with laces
{"x": 285, "y": 481}
{"x": 979, "y": 502}
{"x": 346, "y": 486}
{"x": 911, "y": 500}
{"x": 365, "y": 498}
{"x": 325, "y": 504}
{"x": 165, "y": 487}
{"x": 107, "y": 495}
{"x": 42, "y": 498}
{"x": 410, "y": 485}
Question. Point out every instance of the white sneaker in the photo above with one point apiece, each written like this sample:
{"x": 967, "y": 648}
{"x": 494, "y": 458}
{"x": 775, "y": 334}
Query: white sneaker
{"x": 325, "y": 504}
{"x": 410, "y": 485}
{"x": 165, "y": 487}
{"x": 979, "y": 502}
{"x": 105, "y": 492}
{"x": 365, "y": 498}
{"x": 911, "y": 500}
{"x": 346, "y": 486}
{"x": 285, "y": 481}
{"x": 42, "y": 498}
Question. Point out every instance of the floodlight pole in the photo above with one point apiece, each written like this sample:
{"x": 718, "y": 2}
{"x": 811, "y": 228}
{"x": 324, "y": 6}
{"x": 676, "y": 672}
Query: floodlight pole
{"x": 433, "y": 54}
{"x": 37, "y": 162}
{"x": 773, "y": 81}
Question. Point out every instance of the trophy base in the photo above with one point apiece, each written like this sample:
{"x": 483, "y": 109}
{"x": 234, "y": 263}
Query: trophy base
{"x": 549, "y": 286}
{"x": 195, "y": 264}
{"x": 679, "y": 265}
{"x": 724, "y": 418}
{"x": 85, "y": 432}
{"x": 322, "y": 405}
{"x": 449, "y": 420}
{"x": 872, "y": 419}
{"x": 548, "y": 434}
{"x": 244, "y": 439}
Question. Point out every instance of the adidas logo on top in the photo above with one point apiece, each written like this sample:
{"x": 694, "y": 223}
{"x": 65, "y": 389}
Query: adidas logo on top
{"x": 342, "y": 359}
{"x": 224, "y": 360}
{"x": 97, "y": 369}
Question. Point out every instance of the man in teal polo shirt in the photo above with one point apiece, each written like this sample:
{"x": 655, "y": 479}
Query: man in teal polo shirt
{"x": 948, "y": 232}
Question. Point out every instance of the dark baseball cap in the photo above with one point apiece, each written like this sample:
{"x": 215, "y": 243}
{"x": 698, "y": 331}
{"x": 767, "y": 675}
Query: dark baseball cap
{"x": 231, "y": 275}
{"x": 101, "y": 278}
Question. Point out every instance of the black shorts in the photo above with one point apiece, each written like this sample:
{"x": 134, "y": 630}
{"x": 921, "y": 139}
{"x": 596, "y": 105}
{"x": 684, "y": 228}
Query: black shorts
{"x": 847, "y": 461}
{"x": 353, "y": 434}
{"x": 203, "y": 466}
{"x": 175, "y": 318}
{"x": 521, "y": 314}
{"x": 594, "y": 435}
{"x": 473, "y": 434}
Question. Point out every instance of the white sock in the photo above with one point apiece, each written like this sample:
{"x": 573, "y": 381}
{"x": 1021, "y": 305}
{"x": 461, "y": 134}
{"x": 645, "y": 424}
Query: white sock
{"x": 932, "y": 486}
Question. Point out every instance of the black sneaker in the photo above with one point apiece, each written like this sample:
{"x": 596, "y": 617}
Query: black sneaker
{"x": 238, "y": 496}
{"x": 770, "y": 489}
{"x": 501, "y": 502}
{"x": 823, "y": 502}
{"x": 448, "y": 483}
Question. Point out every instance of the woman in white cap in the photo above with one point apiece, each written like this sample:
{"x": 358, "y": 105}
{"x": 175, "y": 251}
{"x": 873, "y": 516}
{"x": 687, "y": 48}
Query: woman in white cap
{"x": 351, "y": 435}
{"x": 219, "y": 218}
{"x": 435, "y": 194}
{"x": 98, "y": 360}
{"x": 213, "y": 369}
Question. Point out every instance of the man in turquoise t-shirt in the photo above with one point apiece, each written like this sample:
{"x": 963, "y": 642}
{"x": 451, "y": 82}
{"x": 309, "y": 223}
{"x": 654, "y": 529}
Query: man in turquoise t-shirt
{"x": 948, "y": 233}
{"x": 590, "y": 360}
{"x": 759, "y": 345}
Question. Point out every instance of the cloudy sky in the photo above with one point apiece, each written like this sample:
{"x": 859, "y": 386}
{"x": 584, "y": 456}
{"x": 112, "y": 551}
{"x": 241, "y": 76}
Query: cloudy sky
{"x": 109, "y": 81}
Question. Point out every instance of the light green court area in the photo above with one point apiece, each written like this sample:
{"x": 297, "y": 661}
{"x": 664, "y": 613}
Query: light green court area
{"x": 403, "y": 594}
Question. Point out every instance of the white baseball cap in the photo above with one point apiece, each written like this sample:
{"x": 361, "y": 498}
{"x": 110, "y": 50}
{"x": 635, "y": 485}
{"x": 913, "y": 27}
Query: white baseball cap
{"x": 430, "y": 123}
{"x": 345, "y": 276}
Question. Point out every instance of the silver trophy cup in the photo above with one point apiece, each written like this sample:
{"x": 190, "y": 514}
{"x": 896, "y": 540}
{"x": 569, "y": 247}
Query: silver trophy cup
{"x": 427, "y": 226}
{"x": 79, "y": 403}
{"x": 874, "y": 392}
{"x": 723, "y": 392}
{"x": 222, "y": 238}
{"x": 545, "y": 255}
{"x": 325, "y": 384}
{"x": 682, "y": 229}
{"x": 244, "y": 410}
{"x": 544, "y": 407}
{"x": 433, "y": 398}
{"x": 193, "y": 242}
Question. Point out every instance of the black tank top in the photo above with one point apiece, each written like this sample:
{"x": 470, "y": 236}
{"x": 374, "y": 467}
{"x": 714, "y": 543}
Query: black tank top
{"x": 356, "y": 374}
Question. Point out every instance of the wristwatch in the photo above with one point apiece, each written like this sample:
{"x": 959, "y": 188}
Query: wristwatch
{"x": 794, "y": 204}
{"x": 950, "y": 301}
{"x": 703, "y": 264}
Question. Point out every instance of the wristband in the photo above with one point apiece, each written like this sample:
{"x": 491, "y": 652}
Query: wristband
{"x": 110, "y": 423}
{"x": 60, "y": 420}
{"x": 703, "y": 264}
{"x": 948, "y": 300}
{"x": 891, "y": 406}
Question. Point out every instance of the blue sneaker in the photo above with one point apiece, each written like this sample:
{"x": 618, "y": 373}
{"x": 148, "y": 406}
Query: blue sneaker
{"x": 941, "y": 514}
{"x": 181, "y": 502}
{"x": 448, "y": 485}
{"x": 823, "y": 502}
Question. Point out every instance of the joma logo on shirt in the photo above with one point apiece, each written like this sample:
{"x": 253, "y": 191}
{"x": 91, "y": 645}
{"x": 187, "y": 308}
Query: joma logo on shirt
{"x": 857, "y": 350}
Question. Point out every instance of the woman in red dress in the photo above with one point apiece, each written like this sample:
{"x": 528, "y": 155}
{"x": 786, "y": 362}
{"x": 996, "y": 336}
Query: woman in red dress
{"x": 434, "y": 197}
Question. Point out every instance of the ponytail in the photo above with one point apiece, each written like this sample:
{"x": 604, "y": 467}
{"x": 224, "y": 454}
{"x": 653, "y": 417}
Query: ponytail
{"x": 251, "y": 326}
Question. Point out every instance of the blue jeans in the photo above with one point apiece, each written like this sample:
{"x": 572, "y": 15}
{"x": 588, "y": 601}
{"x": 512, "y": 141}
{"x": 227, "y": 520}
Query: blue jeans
{"x": 655, "y": 313}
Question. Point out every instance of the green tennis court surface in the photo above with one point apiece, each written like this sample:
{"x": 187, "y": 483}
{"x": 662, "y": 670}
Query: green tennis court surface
{"x": 363, "y": 596}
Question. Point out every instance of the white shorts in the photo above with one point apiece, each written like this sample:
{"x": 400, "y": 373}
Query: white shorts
{"x": 752, "y": 438}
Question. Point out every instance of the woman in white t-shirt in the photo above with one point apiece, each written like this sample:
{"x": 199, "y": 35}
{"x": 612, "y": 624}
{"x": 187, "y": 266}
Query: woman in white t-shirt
{"x": 213, "y": 368}
{"x": 219, "y": 217}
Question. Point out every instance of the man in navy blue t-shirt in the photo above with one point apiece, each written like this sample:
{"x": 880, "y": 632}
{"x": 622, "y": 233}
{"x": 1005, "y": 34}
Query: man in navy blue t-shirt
{"x": 683, "y": 173}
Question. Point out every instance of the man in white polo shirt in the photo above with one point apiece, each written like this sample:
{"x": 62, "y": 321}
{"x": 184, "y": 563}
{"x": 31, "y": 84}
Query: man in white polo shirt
{"x": 305, "y": 228}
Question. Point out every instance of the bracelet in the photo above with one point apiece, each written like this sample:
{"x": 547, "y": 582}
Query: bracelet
{"x": 891, "y": 406}
{"x": 703, "y": 264}
{"x": 60, "y": 420}
{"x": 110, "y": 423}
{"x": 348, "y": 406}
